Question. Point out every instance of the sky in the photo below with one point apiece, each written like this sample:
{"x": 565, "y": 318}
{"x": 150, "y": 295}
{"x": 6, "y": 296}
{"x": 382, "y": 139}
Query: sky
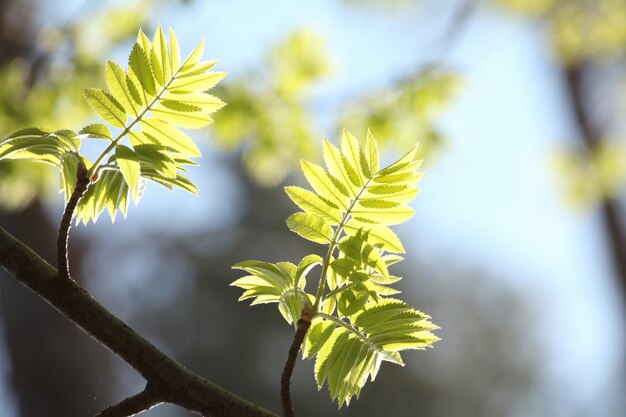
{"x": 490, "y": 197}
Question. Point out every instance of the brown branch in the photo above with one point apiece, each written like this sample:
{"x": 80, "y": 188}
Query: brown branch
{"x": 82, "y": 182}
{"x": 131, "y": 406}
{"x": 592, "y": 138}
{"x": 168, "y": 379}
{"x": 285, "y": 380}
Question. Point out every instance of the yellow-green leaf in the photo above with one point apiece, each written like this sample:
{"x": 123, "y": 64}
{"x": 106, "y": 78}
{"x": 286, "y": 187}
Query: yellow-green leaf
{"x": 129, "y": 165}
{"x": 106, "y": 106}
{"x": 170, "y": 137}
{"x": 310, "y": 227}
{"x": 117, "y": 83}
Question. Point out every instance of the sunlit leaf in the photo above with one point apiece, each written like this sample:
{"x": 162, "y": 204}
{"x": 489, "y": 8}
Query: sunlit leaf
{"x": 106, "y": 106}
{"x": 96, "y": 131}
{"x": 310, "y": 227}
{"x": 128, "y": 162}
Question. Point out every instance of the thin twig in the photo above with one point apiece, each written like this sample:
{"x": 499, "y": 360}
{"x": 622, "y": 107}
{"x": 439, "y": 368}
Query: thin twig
{"x": 82, "y": 182}
{"x": 285, "y": 380}
{"x": 131, "y": 406}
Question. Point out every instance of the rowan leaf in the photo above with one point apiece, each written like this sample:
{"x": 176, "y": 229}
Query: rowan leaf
{"x": 96, "y": 131}
{"x": 120, "y": 88}
{"x": 128, "y": 162}
{"x": 356, "y": 325}
{"x": 106, "y": 106}
{"x": 139, "y": 64}
{"x": 310, "y": 227}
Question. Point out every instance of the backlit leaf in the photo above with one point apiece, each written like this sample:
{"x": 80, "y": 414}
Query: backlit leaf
{"x": 129, "y": 165}
{"x": 106, "y": 106}
{"x": 96, "y": 131}
{"x": 310, "y": 227}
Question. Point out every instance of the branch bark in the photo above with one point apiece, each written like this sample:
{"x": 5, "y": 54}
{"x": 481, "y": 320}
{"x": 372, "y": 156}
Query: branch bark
{"x": 169, "y": 380}
{"x": 82, "y": 183}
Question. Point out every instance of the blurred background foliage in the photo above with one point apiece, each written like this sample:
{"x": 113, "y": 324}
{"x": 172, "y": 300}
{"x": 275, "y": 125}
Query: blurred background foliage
{"x": 590, "y": 34}
{"x": 267, "y": 114}
{"x": 42, "y": 85}
{"x": 579, "y": 29}
{"x": 166, "y": 271}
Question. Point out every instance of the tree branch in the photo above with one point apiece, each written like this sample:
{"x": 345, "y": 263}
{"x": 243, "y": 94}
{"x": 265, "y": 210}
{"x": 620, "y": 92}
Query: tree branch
{"x": 285, "y": 380}
{"x": 136, "y": 404}
{"x": 168, "y": 379}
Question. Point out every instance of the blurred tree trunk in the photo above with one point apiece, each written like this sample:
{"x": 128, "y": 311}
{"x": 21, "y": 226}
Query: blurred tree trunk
{"x": 55, "y": 370}
{"x": 592, "y": 137}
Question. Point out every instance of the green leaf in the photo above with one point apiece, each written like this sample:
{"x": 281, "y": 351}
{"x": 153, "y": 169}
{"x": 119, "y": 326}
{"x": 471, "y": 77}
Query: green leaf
{"x": 197, "y": 69}
{"x": 193, "y": 58}
{"x": 139, "y": 64}
{"x": 317, "y": 336}
{"x": 322, "y": 357}
{"x": 179, "y": 181}
{"x": 371, "y": 153}
{"x": 196, "y": 83}
{"x": 305, "y": 265}
{"x": 156, "y": 158}
{"x": 357, "y": 249}
{"x": 314, "y": 204}
{"x": 39, "y": 146}
{"x": 29, "y": 131}
{"x": 170, "y": 137}
{"x": 353, "y": 352}
{"x": 106, "y": 106}
{"x": 351, "y": 302}
{"x": 69, "y": 168}
{"x": 386, "y": 216}
{"x": 110, "y": 192}
{"x": 325, "y": 184}
{"x": 119, "y": 85}
{"x": 129, "y": 165}
{"x": 140, "y": 99}
{"x": 356, "y": 325}
{"x": 174, "y": 53}
{"x": 96, "y": 131}
{"x": 402, "y": 164}
{"x": 116, "y": 195}
{"x": 351, "y": 153}
{"x": 67, "y": 138}
{"x": 291, "y": 304}
{"x": 181, "y": 114}
{"x": 337, "y": 166}
{"x": 162, "y": 55}
{"x": 276, "y": 283}
{"x": 403, "y": 193}
{"x": 310, "y": 227}
{"x": 205, "y": 102}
